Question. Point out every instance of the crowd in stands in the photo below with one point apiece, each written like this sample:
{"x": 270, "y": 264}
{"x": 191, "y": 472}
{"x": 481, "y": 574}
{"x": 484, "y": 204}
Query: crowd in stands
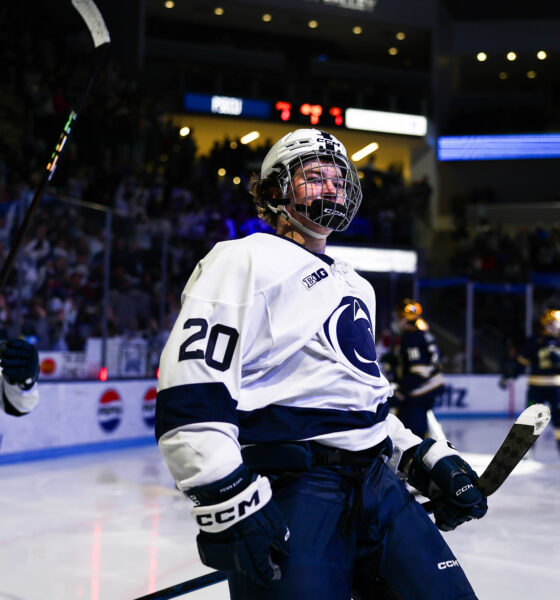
{"x": 493, "y": 254}
{"x": 169, "y": 205}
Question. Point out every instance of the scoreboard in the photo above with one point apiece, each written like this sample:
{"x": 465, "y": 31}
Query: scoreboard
{"x": 281, "y": 110}
{"x": 307, "y": 113}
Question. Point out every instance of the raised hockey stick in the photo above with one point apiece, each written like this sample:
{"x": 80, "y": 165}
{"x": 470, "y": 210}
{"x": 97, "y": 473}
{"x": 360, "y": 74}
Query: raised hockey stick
{"x": 522, "y": 435}
{"x": 100, "y": 34}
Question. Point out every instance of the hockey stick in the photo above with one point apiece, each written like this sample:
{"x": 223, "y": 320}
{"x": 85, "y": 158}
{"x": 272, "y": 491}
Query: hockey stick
{"x": 100, "y": 34}
{"x": 435, "y": 430}
{"x": 522, "y": 435}
{"x": 187, "y": 586}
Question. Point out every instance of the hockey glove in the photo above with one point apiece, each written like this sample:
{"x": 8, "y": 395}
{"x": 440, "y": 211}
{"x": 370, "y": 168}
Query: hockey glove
{"x": 240, "y": 526}
{"x": 439, "y": 473}
{"x": 503, "y": 382}
{"x": 20, "y": 363}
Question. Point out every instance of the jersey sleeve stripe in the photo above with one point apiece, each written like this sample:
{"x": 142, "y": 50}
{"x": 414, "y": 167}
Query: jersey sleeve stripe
{"x": 193, "y": 403}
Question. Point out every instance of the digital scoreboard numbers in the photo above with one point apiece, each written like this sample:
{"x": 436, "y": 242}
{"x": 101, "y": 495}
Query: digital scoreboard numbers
{"x": 307, "y": 113}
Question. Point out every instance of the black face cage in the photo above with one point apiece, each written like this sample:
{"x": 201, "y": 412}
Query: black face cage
{"x": 326, "y": 188}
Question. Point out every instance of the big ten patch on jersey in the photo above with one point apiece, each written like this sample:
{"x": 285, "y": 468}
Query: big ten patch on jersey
{"x": 350, "y": 333}
{"x": 313, "y": 278}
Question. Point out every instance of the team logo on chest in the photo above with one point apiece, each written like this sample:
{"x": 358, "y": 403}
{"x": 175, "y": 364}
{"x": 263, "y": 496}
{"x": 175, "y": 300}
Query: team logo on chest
{"x": 349, "y": 331}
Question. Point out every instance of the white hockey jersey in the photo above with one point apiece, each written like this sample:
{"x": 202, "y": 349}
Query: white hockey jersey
{"x": 273, "y": 343}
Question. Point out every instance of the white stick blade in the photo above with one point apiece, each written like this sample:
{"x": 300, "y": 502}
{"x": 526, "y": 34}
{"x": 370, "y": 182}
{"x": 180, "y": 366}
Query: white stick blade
{"x": 537, "y": 415}
{"x": 94, "y": 20}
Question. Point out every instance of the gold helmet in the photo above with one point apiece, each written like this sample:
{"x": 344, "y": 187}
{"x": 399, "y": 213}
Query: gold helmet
{"x": 408, "y": 310}
{"x": 550, "y": 321}
{"x": 407, "y": 313}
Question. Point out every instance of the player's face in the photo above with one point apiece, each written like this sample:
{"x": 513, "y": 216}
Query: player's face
{"x": 317, "y": 180}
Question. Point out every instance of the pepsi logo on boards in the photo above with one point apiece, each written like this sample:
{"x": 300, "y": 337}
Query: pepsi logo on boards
{"x": 149, "y": 407}
{"x": 110, "y": 410}
{"x": 48, "y": 366}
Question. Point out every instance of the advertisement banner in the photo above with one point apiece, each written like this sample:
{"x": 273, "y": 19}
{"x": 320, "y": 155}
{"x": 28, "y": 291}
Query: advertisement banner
{"x": 480, "y": 396}
{"x": 79, "y": 414}
{"x": 83, "y": 416}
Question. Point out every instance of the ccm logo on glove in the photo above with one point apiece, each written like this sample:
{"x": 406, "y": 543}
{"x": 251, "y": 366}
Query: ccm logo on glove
{"x": 447, "y": 564}
{"x": 218, "y": 517}
{"x": 465, "y": 488}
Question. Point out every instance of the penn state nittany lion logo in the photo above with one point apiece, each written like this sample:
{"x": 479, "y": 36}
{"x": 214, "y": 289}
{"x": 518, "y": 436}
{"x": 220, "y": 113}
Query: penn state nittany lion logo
{"x": 350, "y": 333}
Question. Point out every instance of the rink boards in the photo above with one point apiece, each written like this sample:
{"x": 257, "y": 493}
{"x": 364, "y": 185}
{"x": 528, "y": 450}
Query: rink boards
{"x": 81, "y": 416}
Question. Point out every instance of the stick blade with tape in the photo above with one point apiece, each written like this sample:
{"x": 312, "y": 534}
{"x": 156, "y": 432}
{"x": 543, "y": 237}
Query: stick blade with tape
{"x": 522, "y": 435}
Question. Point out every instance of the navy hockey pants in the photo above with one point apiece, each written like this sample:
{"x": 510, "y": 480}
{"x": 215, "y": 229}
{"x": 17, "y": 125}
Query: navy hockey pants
{"x": 393, "y": 551}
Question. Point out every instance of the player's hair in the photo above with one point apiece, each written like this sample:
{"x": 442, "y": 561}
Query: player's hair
{"x": 262, "y": 190}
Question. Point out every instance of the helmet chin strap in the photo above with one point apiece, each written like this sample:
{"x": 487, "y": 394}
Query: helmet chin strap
{"x": 297, "y": 224}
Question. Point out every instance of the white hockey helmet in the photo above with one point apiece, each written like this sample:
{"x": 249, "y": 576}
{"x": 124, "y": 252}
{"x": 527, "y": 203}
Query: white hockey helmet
{"x": 298, "y": 148}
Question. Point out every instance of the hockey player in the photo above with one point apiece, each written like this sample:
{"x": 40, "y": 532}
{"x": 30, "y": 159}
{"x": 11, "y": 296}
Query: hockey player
{"x": 413, "y": 367}
{"x": 20, "y": 369}
{"x": 272, "y": 412}
{"x": 540, "y": 355}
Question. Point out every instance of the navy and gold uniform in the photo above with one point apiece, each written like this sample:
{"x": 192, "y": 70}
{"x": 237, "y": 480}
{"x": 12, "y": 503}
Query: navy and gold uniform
{"x": 414, "y": 368}
{"x": 540, "y": 357}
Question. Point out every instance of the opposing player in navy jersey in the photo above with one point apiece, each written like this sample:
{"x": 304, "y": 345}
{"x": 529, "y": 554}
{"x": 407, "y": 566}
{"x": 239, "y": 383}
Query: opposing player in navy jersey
{"x": 540, "y": 356}
{"x": 19, "y": 362}
{"x": 413, "y": 367}
{"x": 272, "y": 412}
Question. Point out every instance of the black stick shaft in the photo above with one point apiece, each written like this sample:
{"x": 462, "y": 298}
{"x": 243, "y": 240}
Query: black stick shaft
{"x": 50, "y": 168}
{"x": 187, "y": 586}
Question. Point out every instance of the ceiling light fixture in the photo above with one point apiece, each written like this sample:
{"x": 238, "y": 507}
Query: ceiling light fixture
{"x": 250, "y": 137}
{"x": 365, "y": 151}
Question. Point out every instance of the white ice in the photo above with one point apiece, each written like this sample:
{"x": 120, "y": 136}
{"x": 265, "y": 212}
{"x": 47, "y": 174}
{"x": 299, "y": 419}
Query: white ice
{"x": 111, "y": 526}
